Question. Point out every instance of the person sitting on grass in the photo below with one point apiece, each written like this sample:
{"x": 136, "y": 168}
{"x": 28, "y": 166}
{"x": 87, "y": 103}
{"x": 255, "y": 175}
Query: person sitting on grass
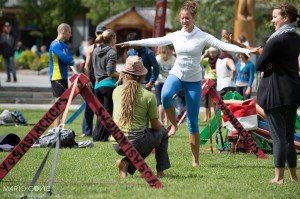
{"x": 133, "y": 104}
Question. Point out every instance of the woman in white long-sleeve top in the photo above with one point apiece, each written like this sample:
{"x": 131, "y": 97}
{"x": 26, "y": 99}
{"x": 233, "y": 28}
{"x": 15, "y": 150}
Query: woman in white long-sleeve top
{"x": 186, "y": 72}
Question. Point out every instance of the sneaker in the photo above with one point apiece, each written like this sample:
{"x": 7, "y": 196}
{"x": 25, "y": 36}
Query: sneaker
{"x": 8, "y": 80}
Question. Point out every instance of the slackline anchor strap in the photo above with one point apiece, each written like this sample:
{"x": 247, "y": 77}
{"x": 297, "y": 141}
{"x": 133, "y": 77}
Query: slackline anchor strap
{"x": 41, "y": 167}
{"x": 57, "y": 145}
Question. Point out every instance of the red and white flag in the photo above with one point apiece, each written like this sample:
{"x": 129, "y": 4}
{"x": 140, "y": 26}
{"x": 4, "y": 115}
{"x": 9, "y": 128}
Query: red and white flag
{"x": 245, "y": 113}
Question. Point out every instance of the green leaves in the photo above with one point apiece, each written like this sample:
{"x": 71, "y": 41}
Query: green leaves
{"x": 46, "y": 15}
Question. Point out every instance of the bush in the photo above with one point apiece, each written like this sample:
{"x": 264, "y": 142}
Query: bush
{"x": 1, "y": 63}
{"x": 27, "y": 58}
{"x": 44, "y": 60}
{"x": 30, "y": 60}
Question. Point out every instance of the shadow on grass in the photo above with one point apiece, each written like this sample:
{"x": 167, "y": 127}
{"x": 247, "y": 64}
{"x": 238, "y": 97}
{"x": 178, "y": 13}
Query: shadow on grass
{"x": 183, "y": 176}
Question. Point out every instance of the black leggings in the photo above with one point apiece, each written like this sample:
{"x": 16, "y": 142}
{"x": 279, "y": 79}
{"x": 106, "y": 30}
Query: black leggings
{"x": 104, "y": 95}
{"x": 281, "y": 123}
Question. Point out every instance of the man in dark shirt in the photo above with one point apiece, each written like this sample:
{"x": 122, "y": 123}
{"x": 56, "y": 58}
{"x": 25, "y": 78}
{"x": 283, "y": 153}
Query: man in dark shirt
{"x": 148, "y": 58}
{"x": 8, "y": 44}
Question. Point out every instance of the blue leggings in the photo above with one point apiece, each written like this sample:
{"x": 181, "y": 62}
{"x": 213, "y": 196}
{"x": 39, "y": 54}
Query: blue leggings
{"x": 192, "y": 95}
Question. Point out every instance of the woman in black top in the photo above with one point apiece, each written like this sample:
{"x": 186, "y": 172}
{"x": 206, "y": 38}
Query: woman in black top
{"x": 278, "y": 92}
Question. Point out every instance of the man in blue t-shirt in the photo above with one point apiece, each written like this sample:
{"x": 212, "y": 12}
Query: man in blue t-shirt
{"x": 148, "y": 58}
{"x": 60, "y": 58}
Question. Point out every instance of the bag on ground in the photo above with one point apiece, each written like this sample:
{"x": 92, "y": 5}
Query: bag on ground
{"x": 67, "y": 138}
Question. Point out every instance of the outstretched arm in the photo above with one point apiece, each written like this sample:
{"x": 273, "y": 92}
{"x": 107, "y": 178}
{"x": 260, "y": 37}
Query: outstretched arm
{"x": 228, "y": 38}
{"x": 150, "y": 42}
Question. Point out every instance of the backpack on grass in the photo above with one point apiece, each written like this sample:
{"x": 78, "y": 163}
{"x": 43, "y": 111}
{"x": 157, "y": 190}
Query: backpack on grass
{"x": 16, "y": 117}
{"x": 67, "y": 138}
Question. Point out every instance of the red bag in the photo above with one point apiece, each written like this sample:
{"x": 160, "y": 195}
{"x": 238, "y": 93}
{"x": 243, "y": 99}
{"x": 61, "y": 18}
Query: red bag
{"x": 245, "y": 113}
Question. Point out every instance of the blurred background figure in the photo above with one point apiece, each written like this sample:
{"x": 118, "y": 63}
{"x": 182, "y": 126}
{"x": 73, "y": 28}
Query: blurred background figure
{"x": 244, "y": 76}
{"x": 149, "y": 60}
{"x": 226, "y": 71}
{"x": 34, "y": 49}
{"x": 8, "y": 43}
{"x": 208, "y": 61}
{"x": 165, "y": 60}
{"x": 19, "y": 49}
{"x": 43, "y": 50}
{"x": 243, "y": 39}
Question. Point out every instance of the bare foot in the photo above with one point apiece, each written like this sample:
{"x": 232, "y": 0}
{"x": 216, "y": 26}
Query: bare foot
{"x": 122, "y": 165}
{"x": 276, "y": 181}
{"x": 294, "y": 179}
{"x": 195, "y": 164}
{"x": 205, "y": 120}
{"x": 173, "y": 130}
{"x": 161, "y": 174}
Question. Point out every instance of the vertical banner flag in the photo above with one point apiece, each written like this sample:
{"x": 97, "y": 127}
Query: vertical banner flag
{"x": 160, "y": 17}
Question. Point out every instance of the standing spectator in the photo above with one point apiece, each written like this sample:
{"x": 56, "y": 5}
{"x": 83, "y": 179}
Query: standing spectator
{"x": 165, "y": 60}
{"x": 278, "y": 93}
{"x": 149, "y": 60}
{"x": 133, "y": 106}
{"x": 19, "y": 49}
{"x": 224, "y": 32}
{"x": 43, "y": 50}
{"x": 104, "y": 60}
{"x": 8, "y": 43}
{"x": 243, "y": 39}
{"x": 187, "y": 71}
{"x": 60, "y": 58}
{"x": 34, "y": 49}
{"x": 211, "y": 55}
{"x": 226, "y": 71}
{"x": 87, "y": 123}
{"x": 244, "y": 76}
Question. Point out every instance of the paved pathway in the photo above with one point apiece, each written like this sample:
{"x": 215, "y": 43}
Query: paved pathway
{"x": 28, "y": 78}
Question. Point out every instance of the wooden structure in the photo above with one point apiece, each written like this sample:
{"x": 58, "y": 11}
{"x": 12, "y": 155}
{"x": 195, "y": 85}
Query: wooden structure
{"x": 244, "y": 21}
{"x": 134, "y": 19}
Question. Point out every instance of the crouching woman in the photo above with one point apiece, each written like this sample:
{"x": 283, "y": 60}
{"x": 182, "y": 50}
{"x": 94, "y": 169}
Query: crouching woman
{"x": 134, "y": 107}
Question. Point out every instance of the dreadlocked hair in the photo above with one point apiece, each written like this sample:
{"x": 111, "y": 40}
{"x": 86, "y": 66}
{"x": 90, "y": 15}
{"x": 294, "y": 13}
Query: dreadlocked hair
{"x": 129, "y": 96}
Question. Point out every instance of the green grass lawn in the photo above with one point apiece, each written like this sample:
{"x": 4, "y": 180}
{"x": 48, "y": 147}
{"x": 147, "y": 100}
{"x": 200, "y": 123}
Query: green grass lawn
{"x": 92, "y": 172}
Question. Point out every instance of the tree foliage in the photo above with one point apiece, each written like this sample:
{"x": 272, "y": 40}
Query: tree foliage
{"x": 46, "y": 15}
{"x": 2, "y": 2}
{"x": 101, "y": 10}
{"x": 212, "y": 15}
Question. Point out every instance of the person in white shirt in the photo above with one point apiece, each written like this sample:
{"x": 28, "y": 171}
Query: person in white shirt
{"x": 186, "y": 73}
{"x": 165, "y": 60}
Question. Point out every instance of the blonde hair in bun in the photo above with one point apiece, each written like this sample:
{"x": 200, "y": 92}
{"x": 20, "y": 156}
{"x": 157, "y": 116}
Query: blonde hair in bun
{"x": 191, "y": 7}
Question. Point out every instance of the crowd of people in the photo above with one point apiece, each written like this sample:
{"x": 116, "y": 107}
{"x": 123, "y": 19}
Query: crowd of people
{"x": 142, "y": 115}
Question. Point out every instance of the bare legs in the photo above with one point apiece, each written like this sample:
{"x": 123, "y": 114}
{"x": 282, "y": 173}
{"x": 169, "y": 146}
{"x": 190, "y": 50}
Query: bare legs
{"x": 207, "y": 115}
{"x": 172, "y": 117}
{"x": 195, "y": 142}
{"x": 162, "y": 115}
{"x": 56, "y": 122}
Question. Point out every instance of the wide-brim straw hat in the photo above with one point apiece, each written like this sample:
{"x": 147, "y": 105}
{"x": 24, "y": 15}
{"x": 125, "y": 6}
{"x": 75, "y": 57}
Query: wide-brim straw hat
{"x": 134, "y": 65}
